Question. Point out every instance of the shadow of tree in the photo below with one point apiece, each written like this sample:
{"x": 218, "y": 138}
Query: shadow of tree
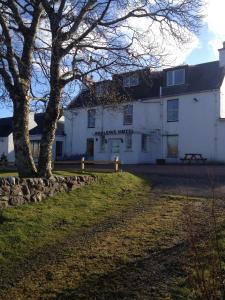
{"x": 142, "y": 278}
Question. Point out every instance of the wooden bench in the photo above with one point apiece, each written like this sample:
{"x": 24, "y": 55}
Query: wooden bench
{"x": 193, "y": 157}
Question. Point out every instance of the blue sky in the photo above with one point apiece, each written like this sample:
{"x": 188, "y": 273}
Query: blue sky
{"x": 203, "y": 48}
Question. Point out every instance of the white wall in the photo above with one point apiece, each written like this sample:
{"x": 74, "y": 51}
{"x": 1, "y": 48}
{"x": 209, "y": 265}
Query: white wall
{"x": 146, "y": 118}
{"x": 199, "y": 129}
{"x": 197, "y": 125}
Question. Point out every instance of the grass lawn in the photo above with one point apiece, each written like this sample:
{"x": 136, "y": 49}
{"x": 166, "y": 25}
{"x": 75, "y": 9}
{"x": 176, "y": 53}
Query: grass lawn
{"x": 112, "y": 240}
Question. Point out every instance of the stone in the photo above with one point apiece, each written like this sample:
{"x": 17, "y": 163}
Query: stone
{"x": 11, "y": 180}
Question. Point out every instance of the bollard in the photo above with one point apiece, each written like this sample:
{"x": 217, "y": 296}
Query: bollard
{"x": 116, "y": 165}
{"x": 82, "y": 164}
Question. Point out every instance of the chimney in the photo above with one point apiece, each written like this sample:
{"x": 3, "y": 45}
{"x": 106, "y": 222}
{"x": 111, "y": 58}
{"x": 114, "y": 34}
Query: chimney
{"x": 222, "y": 56}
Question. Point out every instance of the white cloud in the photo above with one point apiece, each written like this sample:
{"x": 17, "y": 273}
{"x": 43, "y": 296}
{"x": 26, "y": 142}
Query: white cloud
{"x": 215, "y": 20}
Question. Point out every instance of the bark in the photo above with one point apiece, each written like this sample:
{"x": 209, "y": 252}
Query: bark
{"x": 23, "y": 156}
{"x": 48, "y": 136}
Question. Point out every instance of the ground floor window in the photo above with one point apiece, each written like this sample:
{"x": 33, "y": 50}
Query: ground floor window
{"x": 144, "y": 143}
{"x": 128, "y": 142}
{"x": 35, "y": 148}
{"x": 102, "y": 144}
{"x": 172, "y": 146}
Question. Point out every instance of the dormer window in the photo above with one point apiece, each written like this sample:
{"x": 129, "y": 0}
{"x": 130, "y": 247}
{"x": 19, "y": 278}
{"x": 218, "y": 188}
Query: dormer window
{"x": 132, "y": 80}
{"x": 175, "y": 77}
{"x": 100, "y": 90}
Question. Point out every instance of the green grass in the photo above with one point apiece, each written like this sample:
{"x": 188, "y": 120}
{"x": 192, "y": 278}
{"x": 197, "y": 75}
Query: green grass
{"x": 110, "y": 240}
{"x": 33, "y": 226}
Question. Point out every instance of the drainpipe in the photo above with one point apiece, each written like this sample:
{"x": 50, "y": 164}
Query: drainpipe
{"x": 162, "y": 125}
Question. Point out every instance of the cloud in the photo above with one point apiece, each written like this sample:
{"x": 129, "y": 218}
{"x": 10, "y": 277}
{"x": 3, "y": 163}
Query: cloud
{"x": 215, "y": 21}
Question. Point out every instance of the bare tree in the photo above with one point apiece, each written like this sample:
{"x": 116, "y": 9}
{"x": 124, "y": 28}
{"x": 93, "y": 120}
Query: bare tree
{"x": 69, "y": 40}
{"x": 19, "y": 21}
{"x": 100, "y": 37}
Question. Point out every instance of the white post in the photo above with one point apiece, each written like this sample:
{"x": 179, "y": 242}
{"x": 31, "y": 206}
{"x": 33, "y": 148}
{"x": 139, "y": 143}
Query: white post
{"x": 82, "y": 164}
{"x": 116, "y": 166}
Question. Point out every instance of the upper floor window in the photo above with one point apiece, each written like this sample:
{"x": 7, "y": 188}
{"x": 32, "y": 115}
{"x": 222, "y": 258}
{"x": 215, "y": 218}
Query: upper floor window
{"x": 173, "y": 110}
{"x": 132, "y": 80}
{"x": 175, "y": 77}
{"x": 91, "y": 118}
{"x": 100, "y": 90}
{"x": 128, "y": 114}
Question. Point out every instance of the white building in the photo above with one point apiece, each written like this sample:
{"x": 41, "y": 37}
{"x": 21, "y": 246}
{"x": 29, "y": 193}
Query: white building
{"x": 35, "y": 127}
{"x": 167, "y": 114}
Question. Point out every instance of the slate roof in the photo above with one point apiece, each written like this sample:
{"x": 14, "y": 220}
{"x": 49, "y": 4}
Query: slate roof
{"x": 39, "y": 119}
{"x": 6, "y": 126}
{"x": 201, "y": 77}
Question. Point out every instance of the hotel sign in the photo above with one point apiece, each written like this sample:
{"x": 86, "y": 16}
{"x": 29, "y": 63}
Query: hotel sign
{"x": 114, "y": 132}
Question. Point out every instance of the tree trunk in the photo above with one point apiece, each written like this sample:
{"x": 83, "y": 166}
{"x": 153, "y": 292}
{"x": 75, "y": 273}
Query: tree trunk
{"x": 23, "y": 156}
{"x": 48, "y": 136}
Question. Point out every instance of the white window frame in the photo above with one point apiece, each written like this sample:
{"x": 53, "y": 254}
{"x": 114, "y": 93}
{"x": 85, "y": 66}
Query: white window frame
{"x": 173, "y": 82}
{"x": 128, "y": 114}
{"x": 169, "y": 155}
{"x": 35, "y": 148}
{"x": 171, "y": 111}
{"x": 131, "y": 80}
{"x": 102, "y": 143}
{"x": 128, "y": 142}
{"x": 89, "y": 116}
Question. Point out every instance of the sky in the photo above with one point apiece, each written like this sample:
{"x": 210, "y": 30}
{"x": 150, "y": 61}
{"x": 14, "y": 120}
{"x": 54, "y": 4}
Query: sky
{"x": 204, "y": 46}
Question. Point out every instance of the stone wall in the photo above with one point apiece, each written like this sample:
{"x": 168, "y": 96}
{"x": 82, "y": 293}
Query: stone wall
{"x": 16, "y": 191}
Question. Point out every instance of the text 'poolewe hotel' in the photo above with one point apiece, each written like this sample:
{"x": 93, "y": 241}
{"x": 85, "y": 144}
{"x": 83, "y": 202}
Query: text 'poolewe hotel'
{"x": 166, "y": 114}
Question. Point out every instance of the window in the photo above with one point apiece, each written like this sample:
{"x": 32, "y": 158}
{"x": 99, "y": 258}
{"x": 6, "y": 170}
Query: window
{"x": 144, "y": 141}
{"x": 35, "y": 148}
{"x": 100, "y": 90}
{"x": 172, "y": 146}
{"x": 132, "y": 80}
{"x": 91, "y": 118}
{"x": 176, "y": 77}
{"x": 102, "y": 143}
{"x": 128, "y": 142}
{"x": 172, "y": 110}
{"x": 128, "y": 115}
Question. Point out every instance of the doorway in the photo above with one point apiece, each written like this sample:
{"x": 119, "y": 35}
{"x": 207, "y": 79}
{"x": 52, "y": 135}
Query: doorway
{"x": 115, "y": 148}
{"x": 90, "y": 148}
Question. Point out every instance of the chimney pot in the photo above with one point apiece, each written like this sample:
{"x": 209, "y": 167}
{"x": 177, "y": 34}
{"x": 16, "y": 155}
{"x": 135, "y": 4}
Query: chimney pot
{"x": 223, "y": 45}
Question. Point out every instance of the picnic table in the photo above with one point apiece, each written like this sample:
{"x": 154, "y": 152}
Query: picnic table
{"x": 193, "y": 157}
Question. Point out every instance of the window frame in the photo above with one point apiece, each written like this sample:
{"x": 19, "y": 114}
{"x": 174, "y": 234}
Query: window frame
{"x": 36, "y": 143}
{"x": 177, "y": 146}
{"x": 129, "y": 141}
{"x": 100, "y": 90}
{"x": 173, "y": 77}
{"x": 127, "y": 114}
{"x": 131, "y": 80}
{"x": 169, "y": 120}
{"x": 144, "y": 149}
{"x": 89, "y": 123}
{"x": 102, "y": 143}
